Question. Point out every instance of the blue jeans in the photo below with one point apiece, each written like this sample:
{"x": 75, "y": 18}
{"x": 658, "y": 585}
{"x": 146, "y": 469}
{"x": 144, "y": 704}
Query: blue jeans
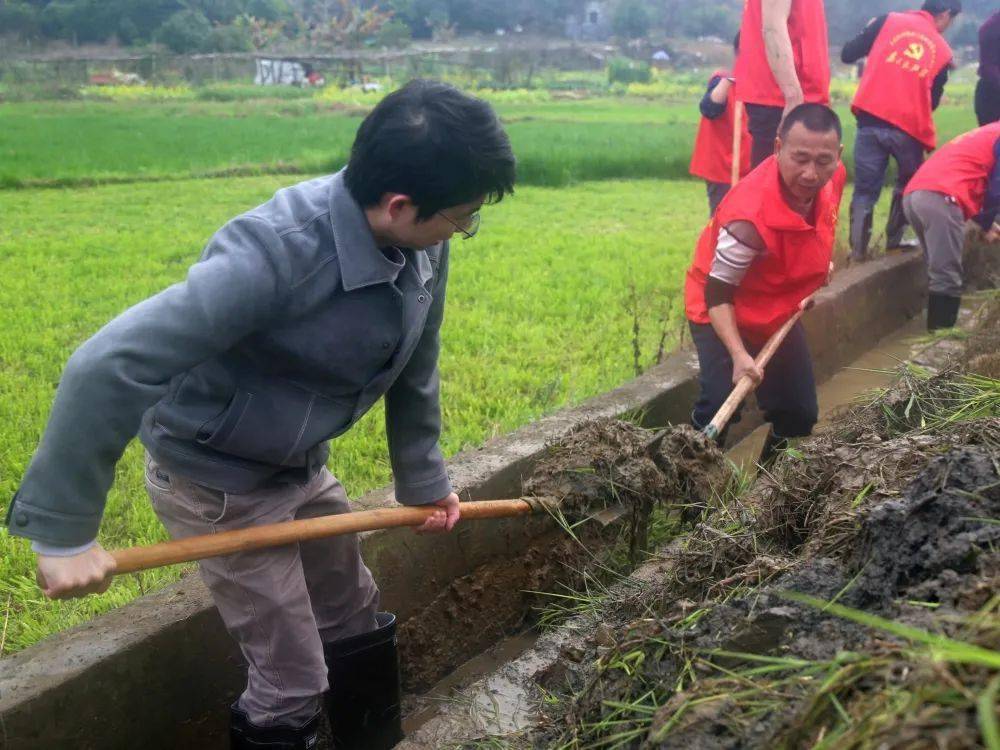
{"x": 787, "y": 396}
{"x": 872, "y": 149}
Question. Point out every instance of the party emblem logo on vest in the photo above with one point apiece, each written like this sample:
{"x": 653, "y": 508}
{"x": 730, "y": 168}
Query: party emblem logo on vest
{"x": 909, "y": 50}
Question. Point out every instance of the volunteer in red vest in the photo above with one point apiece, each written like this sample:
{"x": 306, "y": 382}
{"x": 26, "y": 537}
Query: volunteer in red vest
{"x": 961, "y": 181}
{"x": 908, "y": 62}
{"x": 767, "y": 250}
{"x": 712, "y": 159}
{"x": 784, "y": 61}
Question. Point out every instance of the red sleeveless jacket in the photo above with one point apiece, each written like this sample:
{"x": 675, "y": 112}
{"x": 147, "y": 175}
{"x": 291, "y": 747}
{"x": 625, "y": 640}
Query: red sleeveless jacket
{"x": 961, "y": 168}
{"x": 755, "y": 83}
{"x": 795, "y": 263}
{"x": 712, "y": 159}
{"x": 907, "y": 56}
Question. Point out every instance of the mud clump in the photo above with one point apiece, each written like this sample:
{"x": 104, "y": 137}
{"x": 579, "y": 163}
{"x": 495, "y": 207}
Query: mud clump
{"x": 599, "y": 464}
{"x": 939, "y": 526}
{"x": 608, "y": 463}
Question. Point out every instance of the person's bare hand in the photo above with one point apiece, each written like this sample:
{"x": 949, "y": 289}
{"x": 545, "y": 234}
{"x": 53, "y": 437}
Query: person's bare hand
{"x": 829, "y": 275}
{"x": 791, "y": 102}
{"x": 993, "y": 235}
{"x": 444, "y": 518}
{"x": 743, "y": 365}
{"x": 89, "y": 572}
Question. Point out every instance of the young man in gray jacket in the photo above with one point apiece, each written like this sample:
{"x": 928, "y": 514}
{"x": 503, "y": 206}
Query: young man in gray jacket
{"x": 299, "y": 316}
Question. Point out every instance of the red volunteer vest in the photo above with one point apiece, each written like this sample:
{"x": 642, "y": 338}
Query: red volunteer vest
{"x": 961, "y": 168}
{"x": 755, "y": 82}
{"x": 896, "y": 86}
{"x": 795, "y": 264}
{"x": 712, "y": 159}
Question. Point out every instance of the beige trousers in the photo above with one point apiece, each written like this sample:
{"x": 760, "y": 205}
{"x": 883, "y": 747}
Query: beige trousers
{"x": 279, "y": 604}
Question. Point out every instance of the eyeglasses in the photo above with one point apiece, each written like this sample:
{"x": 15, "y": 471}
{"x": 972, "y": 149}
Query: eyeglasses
{"x": 468, "y": 227}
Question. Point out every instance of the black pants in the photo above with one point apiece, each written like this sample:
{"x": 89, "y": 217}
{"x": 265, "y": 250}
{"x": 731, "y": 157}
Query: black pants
{"x": 763, "y": 123}
{"x": 787, "y": 396}
{"x": 716, "y": 192}
{"x": 987, "y": 102}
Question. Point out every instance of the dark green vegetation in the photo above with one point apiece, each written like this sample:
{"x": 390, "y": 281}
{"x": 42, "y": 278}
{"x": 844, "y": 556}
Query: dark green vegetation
{"x": 557, "y": 142}
{"x": 236, "y": 25}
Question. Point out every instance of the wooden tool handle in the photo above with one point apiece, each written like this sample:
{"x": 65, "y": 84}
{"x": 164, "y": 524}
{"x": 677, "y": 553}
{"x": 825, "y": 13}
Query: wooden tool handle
{"x": 737, "y": 142}
{"x": 290, "y": 532}
{"x": 746, "y": 384}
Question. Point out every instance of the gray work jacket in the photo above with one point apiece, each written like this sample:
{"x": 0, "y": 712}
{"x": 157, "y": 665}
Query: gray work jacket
{"x": 289, "y": 328}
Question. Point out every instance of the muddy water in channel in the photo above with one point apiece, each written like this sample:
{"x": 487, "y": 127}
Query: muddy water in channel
{"x": 872, "y": 370}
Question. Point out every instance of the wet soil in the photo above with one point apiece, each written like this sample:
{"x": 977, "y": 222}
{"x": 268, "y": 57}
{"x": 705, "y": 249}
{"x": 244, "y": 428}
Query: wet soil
{"x": 890, "y": 510}
{"x": 489, "y": 604}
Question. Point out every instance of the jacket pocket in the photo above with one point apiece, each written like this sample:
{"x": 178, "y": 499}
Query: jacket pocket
{"x": 277, "y": 424}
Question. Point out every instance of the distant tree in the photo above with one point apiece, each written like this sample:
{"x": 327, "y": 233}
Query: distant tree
{"x": 348, "y": 25}
{"x": 631, "y": 19}
{"x": 699, "y": 20}
{"x": 21, "y": 19}
{"x": 186, "y": 31}
{"x": 217, "y": 11}
{"x": 422, "y": 16}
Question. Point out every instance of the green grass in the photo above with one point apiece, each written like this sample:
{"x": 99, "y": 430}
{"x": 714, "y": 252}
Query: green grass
{"x": 557, "y": 143}
{"x": 535, "y": 320}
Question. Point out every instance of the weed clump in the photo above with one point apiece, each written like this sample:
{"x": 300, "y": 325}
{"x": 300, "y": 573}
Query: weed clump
{"x": 609, "y": 463}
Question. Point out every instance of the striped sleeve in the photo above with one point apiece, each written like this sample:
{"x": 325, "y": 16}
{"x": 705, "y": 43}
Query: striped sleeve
{"x": 732, "y": 259}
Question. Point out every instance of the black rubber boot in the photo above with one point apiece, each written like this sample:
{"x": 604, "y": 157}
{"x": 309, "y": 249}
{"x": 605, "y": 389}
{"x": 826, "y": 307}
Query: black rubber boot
{"x": 861, "y": 234}
{"x": 244, "y": 735}
{"x": 773, "y": 445}
{"x": 363, "y": 702}
{"x": 942, "y": 311}
{"x": 896, "y": 225}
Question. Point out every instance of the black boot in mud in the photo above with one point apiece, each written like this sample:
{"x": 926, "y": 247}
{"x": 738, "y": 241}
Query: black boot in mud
{"x": 942, "y": 311}
{"x": 364, "y": 697}
{"x": 244, "y": 735}
{"x": 861, "y": 234}
{"x": 773, "y": 445}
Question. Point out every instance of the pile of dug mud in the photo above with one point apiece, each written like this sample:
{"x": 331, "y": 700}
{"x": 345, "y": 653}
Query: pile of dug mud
{"x": 892, "y": 512}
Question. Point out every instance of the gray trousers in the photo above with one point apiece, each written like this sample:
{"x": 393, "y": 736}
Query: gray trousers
{"x": 716, "y": 192}
{"x": 940, "y": 227}
{"x": 279, "y": 604}
{"x": 873, "y": 147}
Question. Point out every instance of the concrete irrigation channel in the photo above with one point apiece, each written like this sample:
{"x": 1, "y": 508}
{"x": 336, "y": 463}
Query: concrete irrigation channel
{"x": 160, "y": 672}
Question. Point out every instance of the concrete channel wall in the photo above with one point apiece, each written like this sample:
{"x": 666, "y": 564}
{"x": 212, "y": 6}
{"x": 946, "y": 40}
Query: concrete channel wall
{"x": 142, "y": 676}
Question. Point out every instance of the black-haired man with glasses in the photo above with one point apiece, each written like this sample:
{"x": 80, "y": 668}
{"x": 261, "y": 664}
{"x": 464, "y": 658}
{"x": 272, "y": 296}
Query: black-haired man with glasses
{"x": 300, "y": 315}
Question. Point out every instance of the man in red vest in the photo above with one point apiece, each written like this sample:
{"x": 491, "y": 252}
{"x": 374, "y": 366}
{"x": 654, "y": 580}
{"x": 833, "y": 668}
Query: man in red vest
{"x": 784, "y": 61}
{"x": 712, "y": 159}
{"x": 908, "y": 62}
{"x": 764, "y": 254}
{"x": 960, "y": 181}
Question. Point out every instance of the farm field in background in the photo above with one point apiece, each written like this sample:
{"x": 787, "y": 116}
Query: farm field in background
{"x": 557, "y": 142}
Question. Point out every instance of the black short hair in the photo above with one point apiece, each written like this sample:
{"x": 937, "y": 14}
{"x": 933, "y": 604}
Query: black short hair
{"x": 937, "y": 7}
{"x": 433, "y": 143}
{"x": 818, "y": 118}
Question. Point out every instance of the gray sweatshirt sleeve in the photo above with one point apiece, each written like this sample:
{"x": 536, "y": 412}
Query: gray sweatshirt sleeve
{"x": 413, "y": 413}
{"x": 115, "y": 376}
